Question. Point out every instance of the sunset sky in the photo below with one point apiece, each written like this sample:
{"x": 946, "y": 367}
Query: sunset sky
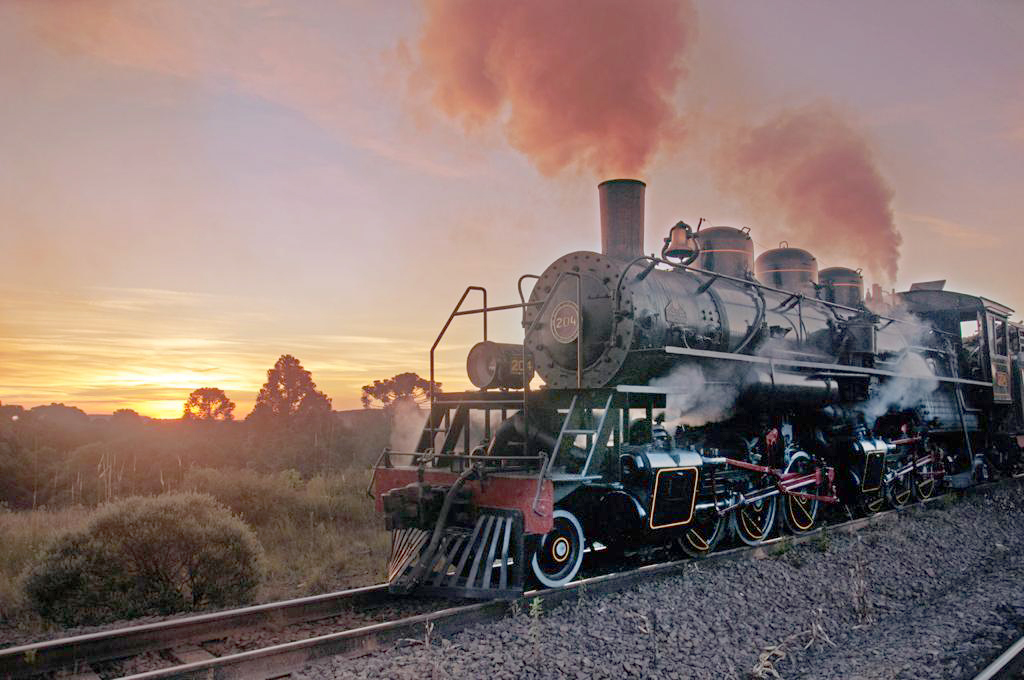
{"x": 189, "y": 189}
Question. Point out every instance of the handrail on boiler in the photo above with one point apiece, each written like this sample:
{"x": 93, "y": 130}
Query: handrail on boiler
{"x": 458, "y": 311}
{"x": 484, "y": 309}
{"x": 444, "y": 329}
{"x": 579, "y": 359}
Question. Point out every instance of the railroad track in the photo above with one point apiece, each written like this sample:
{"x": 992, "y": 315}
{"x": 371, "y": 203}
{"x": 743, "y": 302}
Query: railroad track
{"x": 183, "y": 635}
{"x": 1008, "y": 665}
{"x": 74, "y": 653}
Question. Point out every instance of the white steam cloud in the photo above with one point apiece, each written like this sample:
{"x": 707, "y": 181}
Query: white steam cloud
{"x": 903, "y": 393}
{"x": 407, "y": 420}
{"x": 696, "y": 400}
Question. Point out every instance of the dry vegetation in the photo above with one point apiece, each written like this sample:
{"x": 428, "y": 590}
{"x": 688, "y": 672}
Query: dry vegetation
{"x": 24, "y": 536}
{"x": 318, "y": 535}
{"x": 297, "y": 480}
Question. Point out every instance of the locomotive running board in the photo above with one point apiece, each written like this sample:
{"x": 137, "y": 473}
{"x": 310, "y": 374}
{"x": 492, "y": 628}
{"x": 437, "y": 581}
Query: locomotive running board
{"x": 794, "y": 363}
{"x": 463, "y": 565}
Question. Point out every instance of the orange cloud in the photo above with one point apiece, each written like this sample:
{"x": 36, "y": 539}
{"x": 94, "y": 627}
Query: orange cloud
{"x": 106, "y": 348}
{"x": 963, "y": 236}
{"x": 276, "y": 51}
{"x": 265, "y": 52}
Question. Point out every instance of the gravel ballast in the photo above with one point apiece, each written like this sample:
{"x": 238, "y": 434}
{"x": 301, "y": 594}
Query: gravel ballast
{"x": 930, "y": 593}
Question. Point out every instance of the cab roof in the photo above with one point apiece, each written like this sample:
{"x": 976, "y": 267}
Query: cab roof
{"x": 924, "y": 300}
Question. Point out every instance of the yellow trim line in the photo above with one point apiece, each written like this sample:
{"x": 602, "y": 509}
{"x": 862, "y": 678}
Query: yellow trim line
{"x": 693, "y": 503}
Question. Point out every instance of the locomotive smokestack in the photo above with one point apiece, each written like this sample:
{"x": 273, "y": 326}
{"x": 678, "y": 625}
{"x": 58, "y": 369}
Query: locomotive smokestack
{"x": 622, "y": 218}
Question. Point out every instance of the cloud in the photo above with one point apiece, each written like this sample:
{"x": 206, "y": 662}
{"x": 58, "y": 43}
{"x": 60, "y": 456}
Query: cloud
{"x": 263, "y": 51}
{"x": 108, "y": 348}
{"x": 963, "y": 236}
{"x": 288, "y": 54}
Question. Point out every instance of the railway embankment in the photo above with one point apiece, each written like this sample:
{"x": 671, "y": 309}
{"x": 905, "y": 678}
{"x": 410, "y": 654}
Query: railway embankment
{"x": 933, "y": 593}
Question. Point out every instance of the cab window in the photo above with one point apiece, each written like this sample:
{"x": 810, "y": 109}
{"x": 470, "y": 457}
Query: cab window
{"x": 971, "y": 364}
{"x": 969, "y": 332}
{"x": 999, "y": 341}
{"x": 1014, "y": 340}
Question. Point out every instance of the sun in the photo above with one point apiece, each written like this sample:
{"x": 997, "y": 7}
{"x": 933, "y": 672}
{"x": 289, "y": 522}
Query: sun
{"x": 167, "y": 409}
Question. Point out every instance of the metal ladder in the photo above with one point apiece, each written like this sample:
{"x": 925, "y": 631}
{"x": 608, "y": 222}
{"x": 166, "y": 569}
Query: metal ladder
{"x": 596, "y": 436}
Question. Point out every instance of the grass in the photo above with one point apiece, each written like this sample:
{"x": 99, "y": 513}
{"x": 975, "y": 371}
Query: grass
{"x": 318, "y": 535}
{"x": 822, "y": 541}
{"x": 24, "y": 535}
{"x": 772, "y": 654}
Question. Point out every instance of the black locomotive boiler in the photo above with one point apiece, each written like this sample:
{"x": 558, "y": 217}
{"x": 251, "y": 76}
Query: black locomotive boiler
{"x": 693, "y": 398}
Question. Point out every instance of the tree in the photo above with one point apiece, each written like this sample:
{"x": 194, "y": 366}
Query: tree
{"x": 59, "y": 415}
{"x": 404, "y": 387}
{"x": 209, "y": 403}
{"x": 292, "y": 426}
{"x": 126, "y": 415}
{"x": 289, "y": 394}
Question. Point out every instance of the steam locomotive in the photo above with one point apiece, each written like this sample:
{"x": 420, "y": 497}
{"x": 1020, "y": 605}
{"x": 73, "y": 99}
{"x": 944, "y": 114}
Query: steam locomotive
{"x": 689, "y": 399}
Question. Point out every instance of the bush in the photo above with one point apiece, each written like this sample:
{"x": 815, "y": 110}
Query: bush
{"x": 139, "y": 556}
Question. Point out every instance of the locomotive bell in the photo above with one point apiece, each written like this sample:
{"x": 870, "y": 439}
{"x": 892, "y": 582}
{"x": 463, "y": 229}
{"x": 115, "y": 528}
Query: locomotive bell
{"x": 681, "y": 243}
{"x": 498, "y": 365}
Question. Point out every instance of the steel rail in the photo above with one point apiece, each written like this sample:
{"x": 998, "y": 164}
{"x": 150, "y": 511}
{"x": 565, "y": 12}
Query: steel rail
{"x": 69, "y": 652}
{"x": 281, "y": 659}
{"x": 1007, "y": 665}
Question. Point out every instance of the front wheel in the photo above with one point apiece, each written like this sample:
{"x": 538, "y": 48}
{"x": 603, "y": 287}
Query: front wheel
{"x": 559, "y": 553}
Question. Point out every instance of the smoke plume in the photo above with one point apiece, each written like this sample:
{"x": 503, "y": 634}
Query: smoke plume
{"x": 593, "y": 85}
{"x": 810, "y": 174}
{"x": 573, "y": 84}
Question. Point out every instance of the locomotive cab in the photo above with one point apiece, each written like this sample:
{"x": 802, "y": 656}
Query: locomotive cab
{"x": 978, "y": 331}
{"x": 986, "y": 368}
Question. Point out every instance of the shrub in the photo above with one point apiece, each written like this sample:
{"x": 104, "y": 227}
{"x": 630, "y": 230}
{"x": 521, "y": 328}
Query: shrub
{"x": 155, "y": 555}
